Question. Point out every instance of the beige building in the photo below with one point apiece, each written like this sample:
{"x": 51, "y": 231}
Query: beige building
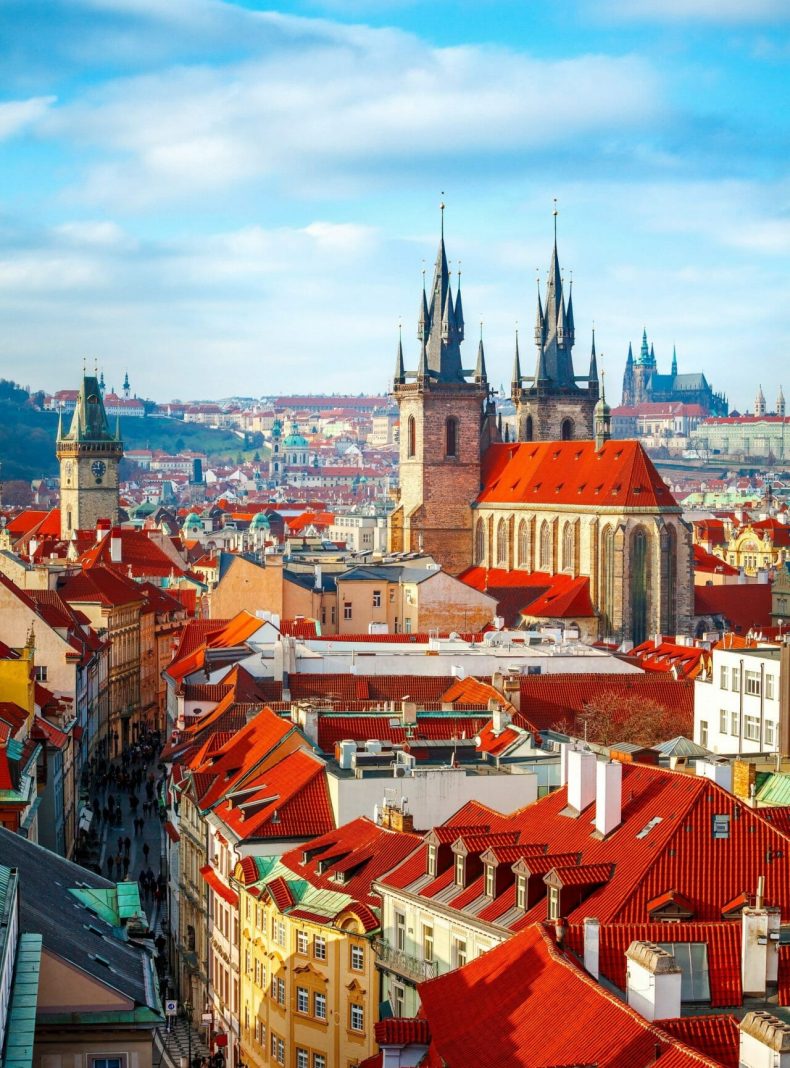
{"x": 409, "y": 600}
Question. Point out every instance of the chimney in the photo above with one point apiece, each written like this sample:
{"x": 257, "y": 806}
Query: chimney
{"x": 592, "y": 945}
{"x": 116, "y": 553}
{"x": 653, "y": 980}
{"x": 581, "y": 778}
{"x": 304, "y": 715}
{"x": 500, "y": 718}
{"x": 765, "y": 1042}
{"x": 608, "y": 795}
{"x": 512, "y": 688}
{"x": 317, "y": 582}
{"x": 759, "y": 949}
{"x": 408, "y": 711}
{"x": 102, "y": 529}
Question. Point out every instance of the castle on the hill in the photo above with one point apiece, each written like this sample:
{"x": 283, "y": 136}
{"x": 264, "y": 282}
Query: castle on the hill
{"x": 642, "y": 384}
{"x": 563, "y": 524}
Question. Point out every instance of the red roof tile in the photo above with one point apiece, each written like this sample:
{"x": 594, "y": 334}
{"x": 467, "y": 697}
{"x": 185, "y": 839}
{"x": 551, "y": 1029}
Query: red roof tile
{"x": 400, "y": 1031}
{"x": 717, "y": 1037}
{"x": 745, "y": 606}
{"x": 217, "y": 885}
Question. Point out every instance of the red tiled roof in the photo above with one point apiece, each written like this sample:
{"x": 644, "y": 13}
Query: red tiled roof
{"x": 527, "y": 983}
{"x": 547, "y": 700}
{"x": 745, "y": 606}
{"x": 101, "y": 585}
{"x": 140, "y": 555}
{"x": 667, "y": 656}
{"x": 710, "y": 564}
{"x": 436, "y": 727}
{"x": 217, "y": 885}
{"x": 620, "y": 474}
{"x": 171, "y": 832}
{"x": 44, "y": 731}
{"x": 717, "y": 1037}
{"x": 566, "y": 598}
{"x": 12, "y": 714}
{"x": 402, "y": 1031}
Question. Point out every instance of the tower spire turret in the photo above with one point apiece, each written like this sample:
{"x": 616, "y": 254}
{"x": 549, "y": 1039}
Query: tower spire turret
{"x": 516, "y": 381}
{"x": 593, "y": 376}
{"x": 400, "y": 372}
{"x": 480, "y": 369}
{"x": 674, "y": 362}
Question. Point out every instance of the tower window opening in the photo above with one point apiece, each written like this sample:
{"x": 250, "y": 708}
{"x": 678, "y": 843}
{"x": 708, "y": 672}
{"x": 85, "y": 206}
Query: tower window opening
{"x": 411, "y": 437}
{"x": 451, "y": 437}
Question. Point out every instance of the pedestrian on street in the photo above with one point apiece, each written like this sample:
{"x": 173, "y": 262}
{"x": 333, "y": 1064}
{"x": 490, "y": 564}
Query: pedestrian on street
{"x": 127, "y": 845}
{"x": 110, "y": 862}
{"x": 146, "y": 851}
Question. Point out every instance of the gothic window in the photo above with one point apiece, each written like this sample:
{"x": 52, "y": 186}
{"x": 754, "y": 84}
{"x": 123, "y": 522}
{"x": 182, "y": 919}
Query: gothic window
{"x": 451, "y": 437}
{"x": 523, "y": 544}
{"x": 672, "y": 579}
{"x": 545, "y": 547}
{"x": 607, "y": 582}
{"x": 528, "y": 432}
{"x": 501, "y": 543}
{"x": 412, "y": 437}
{"x": 566, "y": 430}
{"x": 480, "y": 542}
{"x": 568, "y": 547}
{"x": 639, "y": 574}
{"x": 68, "y": 519}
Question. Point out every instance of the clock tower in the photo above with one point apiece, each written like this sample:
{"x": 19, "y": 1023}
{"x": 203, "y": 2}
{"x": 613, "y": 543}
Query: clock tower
{"x": 89, "y": 455}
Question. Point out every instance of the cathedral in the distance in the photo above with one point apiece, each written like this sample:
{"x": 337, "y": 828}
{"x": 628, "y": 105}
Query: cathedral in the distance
{"x": 89, "y": 454}
{"x": 642, "y": 384}
{"x": 562, "y": 524}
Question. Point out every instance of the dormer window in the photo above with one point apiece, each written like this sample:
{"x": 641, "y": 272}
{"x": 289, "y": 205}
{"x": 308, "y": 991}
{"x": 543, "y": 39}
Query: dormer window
{"x": 490, "y": 881}
{"x": 554, "y": 903}
{"x": 432, "y": 861}
{"x": 521, "y": 892}
{"x": 459, "y": 870}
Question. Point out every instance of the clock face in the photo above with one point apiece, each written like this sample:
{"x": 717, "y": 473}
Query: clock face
{"x": 98, "y": 467}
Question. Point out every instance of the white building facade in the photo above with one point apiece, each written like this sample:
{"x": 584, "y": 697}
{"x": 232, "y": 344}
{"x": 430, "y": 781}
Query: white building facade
{"x": 737, "y": 707}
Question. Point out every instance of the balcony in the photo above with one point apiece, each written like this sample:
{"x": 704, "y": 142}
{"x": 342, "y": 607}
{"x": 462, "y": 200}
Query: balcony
{"x": 403, "y": 964}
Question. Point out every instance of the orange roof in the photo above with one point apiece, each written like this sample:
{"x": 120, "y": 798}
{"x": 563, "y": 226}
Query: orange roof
{"x": 620, "y": 474}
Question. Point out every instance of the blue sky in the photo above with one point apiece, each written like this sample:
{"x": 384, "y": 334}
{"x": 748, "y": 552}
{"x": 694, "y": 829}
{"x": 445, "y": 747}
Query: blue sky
{"x": 227, "y": 198}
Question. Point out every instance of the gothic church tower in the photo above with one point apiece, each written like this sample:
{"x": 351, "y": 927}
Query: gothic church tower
{"x": 551, "y": 405}
{"x": 89, "y": 455}
{"x": 446, "y": 420}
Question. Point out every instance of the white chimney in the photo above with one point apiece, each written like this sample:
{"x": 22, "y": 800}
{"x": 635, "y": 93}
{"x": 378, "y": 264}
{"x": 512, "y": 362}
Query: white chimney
{"x": 608, "y": 795}
{"x": 116, "y": 553}
{"x": 653, "y": 979}
{"x": 317, "y": 585}
{"x": 581, "y": 778}
{"x": 306, "y": 717}
{"x": 592, "y": 945}
{"x": 346, "y": 751}
{"x": 408, "y": 711}
{"x": 102, "y": 529}
{"x": 764, "y": 1042}
{"x": 759, "y": 949}
{"x": 500, "y": 719}
{"x": 565, "y": 748}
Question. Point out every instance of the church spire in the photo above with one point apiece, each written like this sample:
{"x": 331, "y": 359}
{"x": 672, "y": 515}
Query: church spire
{"x": 480, "y": 369}
{"x": 593, "y": 378}
{"x": 644, "y": 352}
{"x": 674, "y": 362}
{"x": 459, "y": 311}
{"x": 570, "y": 327}
{"x": 400, "y": 373}
{"x": 439, "y": 322}
{"x": 424, "y": 320}
{"x": 539, "y": 321}
{"x": 516, "y": 383}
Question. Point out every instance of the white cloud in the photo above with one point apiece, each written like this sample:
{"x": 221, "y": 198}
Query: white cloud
{"x": 15, "y": 115}
{"x": 718, "y": 11}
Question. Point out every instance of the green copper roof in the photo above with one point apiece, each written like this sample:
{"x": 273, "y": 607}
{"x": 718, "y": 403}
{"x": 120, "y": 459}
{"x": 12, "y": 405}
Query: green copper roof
{"x": 89, "y": 422}
{"x": 775, "y": 790}
{"x": 21, "y": 1030}
{"x": 113, "y": 905}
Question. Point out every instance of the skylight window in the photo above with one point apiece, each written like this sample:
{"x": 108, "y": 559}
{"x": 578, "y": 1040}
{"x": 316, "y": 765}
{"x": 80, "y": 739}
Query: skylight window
{"x": 648, "y": 827}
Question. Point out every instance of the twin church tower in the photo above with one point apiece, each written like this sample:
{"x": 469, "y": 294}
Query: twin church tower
{"x": 448, "y": 419}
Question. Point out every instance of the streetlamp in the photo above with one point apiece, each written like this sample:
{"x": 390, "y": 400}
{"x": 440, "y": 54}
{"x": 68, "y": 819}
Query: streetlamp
{"x": 188, "y": 1014}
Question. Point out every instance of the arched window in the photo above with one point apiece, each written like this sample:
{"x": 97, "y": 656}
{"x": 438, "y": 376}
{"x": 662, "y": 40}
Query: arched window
{"x": 412, "y": 437}
{"x": 451, "y": 437}
{"x": 568, "y": 547}
{"x": 639, "y": 575}
{"x": 566, "y": 430}
{"x": 501, "y": 543}
{"x": 607, "y": 582}
{"x": 545, "y": 548}
{"x": 480, "y": 542}
{"x": 68, "y": 519}
{"x": 523, "y": 544}
{"x": 528, "y": 429}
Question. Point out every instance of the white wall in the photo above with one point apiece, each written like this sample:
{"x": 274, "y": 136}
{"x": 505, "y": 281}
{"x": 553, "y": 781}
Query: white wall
{"x": 730, "y": 712}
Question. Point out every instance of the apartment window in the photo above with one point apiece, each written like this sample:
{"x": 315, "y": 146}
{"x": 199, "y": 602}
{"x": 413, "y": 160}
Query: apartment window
{"x": 319, "y": 1006}
{"x": 280, "y": 1051}
{"x": 770, "y": 734}
{"x": 346, "y": 611}
{"x": 247, "y": 962}
{"x": 278, "y": 991}
{"x": 489, "y": 880}
{"x": 554, "y": 903}
{"x": 319, "y": 947}
{"x": 770, "y": 692}
{"x": 407, "y": 625}
{"x": 41, "y": 676}
{"x": 301, "y": 942}
{"x": 398, "y": 998}
{"x": 302, "y": 1058}
{"x": 703, "y": 733}
{"x": 751, "y": 681}
{"x": 302, "y": 999}
{"x": 521, "y": 891}
{"x": 356, "y": 1018}
{"x": 736, "y": 678}
{"x": 432, "y": 861}
{"x": 459, "y": 952}
{"x": 735, "y": 724}
{"x": 724, "y": 675}
{"x": 427, "y": 942}
{"x": 392, "y": 595}
{"x": 319, "y": 1060}
{"x": 279, "y": 933}
{"x": 724, "y": 721}
{"x": 357, "y": 958}
{"x": 751, "y": 728}
{"x": 459, "y": 870}
{"x": 332, "y": 613}
{"x": 377, "y": 598}
{"x": 400, "y": 932}
{"x": 118, "y": 1061}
